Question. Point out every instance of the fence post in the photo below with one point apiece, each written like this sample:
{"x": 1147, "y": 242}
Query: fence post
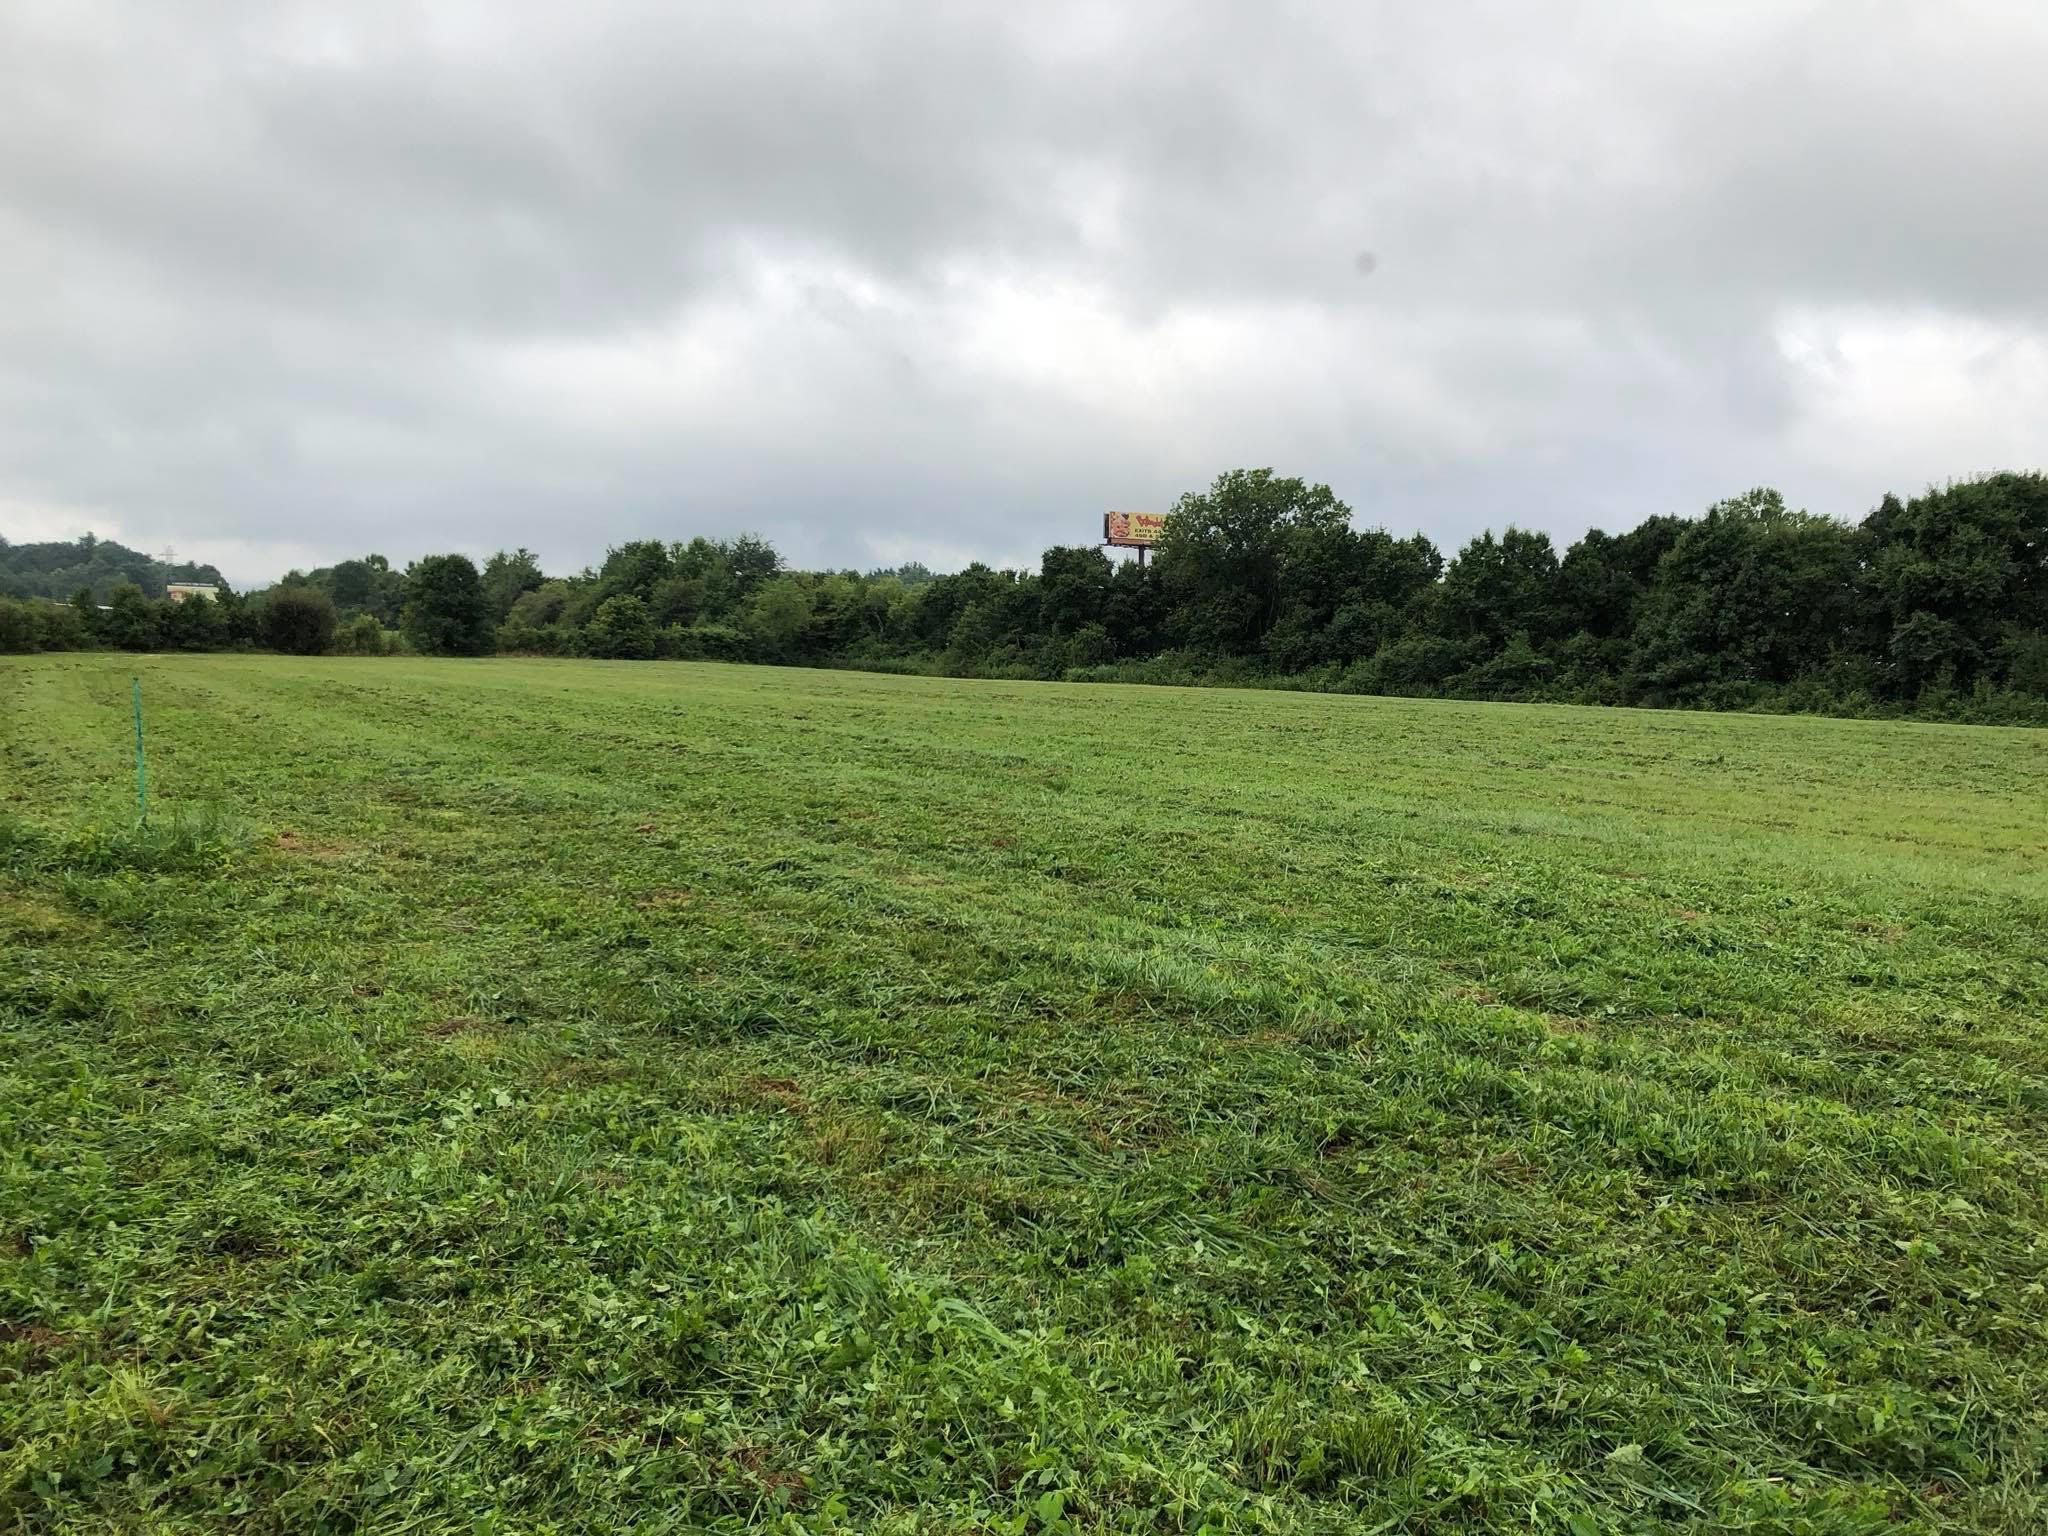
{"x": 141, "y": 769}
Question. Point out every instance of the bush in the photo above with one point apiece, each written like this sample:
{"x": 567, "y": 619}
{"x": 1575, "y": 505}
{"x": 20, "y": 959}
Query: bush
{"x": 621, "y": 630}
{"x": 1418, "y": 664}
{"x": 2026, "y": 662}
{"x": 518, "y": 638}
{"x": 1087, "y": 646}
{"x": 63, "y": 627}
{"x": 1520, "y": 671}
{"x": 19, "y": 626}
{"x": 711, "y": 642}
{"x": 299, "y": 621}
{"x": 366, "y": 637}
{"x": 1178, "y": 669}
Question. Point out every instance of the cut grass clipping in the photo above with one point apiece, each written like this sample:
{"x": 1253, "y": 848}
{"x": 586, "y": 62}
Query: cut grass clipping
{"x": 526, "y": 1097}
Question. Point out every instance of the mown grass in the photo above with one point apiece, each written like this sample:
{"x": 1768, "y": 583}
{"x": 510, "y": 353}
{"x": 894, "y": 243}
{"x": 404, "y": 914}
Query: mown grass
{"x": 521, "y": 1096}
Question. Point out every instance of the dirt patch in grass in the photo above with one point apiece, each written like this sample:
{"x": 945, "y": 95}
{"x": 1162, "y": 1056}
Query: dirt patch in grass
{"x": 43, "y": 1345}
{"x": 783, "y": 1091}
{"x": 751, "y": 1462}
{"x": 461, "y": 1024}
{"x": 290, "y": 841}
{"x": 30, "y": 919}
{"x": 664, "y": 899}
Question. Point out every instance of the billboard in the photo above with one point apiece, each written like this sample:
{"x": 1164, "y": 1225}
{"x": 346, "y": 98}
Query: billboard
{"x": 1133, "y": 530}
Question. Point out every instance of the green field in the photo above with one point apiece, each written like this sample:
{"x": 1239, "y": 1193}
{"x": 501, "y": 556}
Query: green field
{"x": 515, "y": 1096}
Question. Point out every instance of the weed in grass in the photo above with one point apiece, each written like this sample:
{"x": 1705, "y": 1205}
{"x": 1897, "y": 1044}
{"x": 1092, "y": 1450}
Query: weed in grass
{"x": 189, "y": 839}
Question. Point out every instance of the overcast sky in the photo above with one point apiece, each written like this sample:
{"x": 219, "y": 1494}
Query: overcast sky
{"x": 281, "y": 283}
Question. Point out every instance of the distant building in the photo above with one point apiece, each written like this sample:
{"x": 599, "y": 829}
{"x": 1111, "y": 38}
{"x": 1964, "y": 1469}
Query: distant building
{"x": 179, "y": 591}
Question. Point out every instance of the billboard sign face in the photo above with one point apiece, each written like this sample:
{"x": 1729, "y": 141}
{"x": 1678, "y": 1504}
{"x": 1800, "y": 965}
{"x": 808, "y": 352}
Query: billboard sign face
{"x": 1133, "y": 530}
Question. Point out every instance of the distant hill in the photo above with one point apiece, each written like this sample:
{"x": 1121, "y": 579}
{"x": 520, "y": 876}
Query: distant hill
{"x": 59, "y": 568}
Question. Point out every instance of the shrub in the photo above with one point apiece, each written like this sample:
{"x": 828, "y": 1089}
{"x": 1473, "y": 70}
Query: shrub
{"x": 1417, "y": 664}
{"x": 366, "y": 636}
{"x": 299, "y": 621}
{"x": 516, "y": 637}
{"x": 711, "y": 642}
{"x": 1087, "y": 646}
{"x": 621, "y": 630}
{"x": 63, "y": 627}
{"x": 2026, "y": 662}
{"x": 19, "y": 628}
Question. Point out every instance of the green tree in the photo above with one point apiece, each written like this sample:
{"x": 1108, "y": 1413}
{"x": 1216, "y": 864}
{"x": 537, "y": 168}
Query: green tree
{"x": 751, "y": 560}
{"x": 1345, "y": 593}
{"x": 62, "y": 628}
{"x": 195, "y": 624}
{"x": 130, "y": 622}
{"x": 1602, "y": 579}
{"x": 1953, "y": 573}
{"x": 1752, "y": 594}
{"x": 975, "y": 632}
{"x": 776, "y": 619}
{"x": 543, "y": 606}
{"x": 1009, "y": 606}
{"x": 1227, "y": 550}
{"x": 1073, "y": 589}
{"x": 700, "y": 584}
{"x": 240, "y": 622}
{"x": 89, "y": 615}
{"x": 621, "y": 630}
{"x": 299, "y": 621}
{"x": 351, "y": 584}
{"x": 446, "y": 613}
{"x": 634, "y": 569}
{"x": 506, "y": 577}
{"x": 1497, "y": 588}
{"x": 19, "y": 627}
{"x": 1134, "y": 610}
{"x": 387, "y": 591}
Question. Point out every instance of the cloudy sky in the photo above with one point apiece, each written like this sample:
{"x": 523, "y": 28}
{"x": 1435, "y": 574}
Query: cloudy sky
{"x": 283, "y": 282}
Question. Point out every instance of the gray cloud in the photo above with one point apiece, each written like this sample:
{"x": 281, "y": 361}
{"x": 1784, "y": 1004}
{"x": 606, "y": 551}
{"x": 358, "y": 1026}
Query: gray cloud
{"x": 291, "y": 281}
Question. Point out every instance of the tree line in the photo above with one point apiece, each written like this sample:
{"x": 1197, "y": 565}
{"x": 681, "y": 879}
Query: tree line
{"x": 1936, "y": 605}
{"x": 60, "y": 568}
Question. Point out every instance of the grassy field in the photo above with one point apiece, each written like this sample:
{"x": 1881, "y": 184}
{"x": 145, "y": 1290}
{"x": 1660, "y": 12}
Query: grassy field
{"x": 515, "y": 1096}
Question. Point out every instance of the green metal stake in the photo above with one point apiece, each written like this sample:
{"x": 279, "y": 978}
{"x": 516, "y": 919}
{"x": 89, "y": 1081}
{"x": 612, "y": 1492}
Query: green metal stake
{"x": 141, "y": 769}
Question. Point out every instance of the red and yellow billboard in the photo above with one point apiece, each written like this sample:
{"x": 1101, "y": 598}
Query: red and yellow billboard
{"x": 1133, "y": 530}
